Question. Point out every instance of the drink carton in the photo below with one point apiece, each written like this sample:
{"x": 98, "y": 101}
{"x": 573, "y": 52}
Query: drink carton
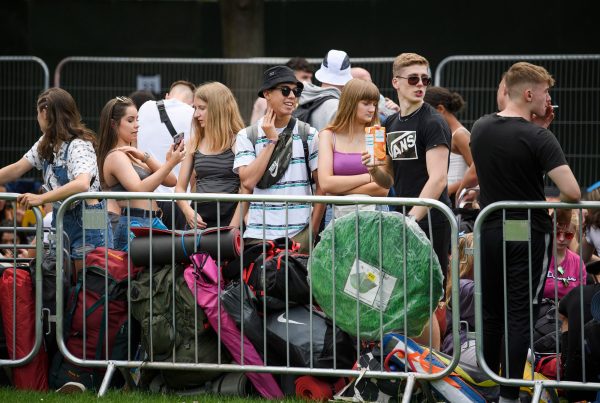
{"x": 375, "y": 144}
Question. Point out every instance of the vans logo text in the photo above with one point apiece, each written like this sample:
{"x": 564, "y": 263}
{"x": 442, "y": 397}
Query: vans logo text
{"x": 403, "y": 145}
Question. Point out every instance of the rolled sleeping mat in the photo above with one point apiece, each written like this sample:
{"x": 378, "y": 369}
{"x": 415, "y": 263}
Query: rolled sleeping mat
{"x": 182, "y": 244}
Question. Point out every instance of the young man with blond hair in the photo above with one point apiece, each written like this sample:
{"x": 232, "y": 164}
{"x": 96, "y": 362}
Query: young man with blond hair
{"x": 418, "y": 146}
{"x": 512, "y": 154}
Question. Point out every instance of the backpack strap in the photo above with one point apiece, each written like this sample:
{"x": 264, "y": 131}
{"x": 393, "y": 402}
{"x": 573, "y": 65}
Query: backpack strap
{"x": 164, "y": 117}
{"x": 304, "y": 131}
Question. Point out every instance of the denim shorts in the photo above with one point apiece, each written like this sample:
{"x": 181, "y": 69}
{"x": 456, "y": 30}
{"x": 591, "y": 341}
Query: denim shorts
{"x": 73, "y": 227}
{"x": 123, "y": 234}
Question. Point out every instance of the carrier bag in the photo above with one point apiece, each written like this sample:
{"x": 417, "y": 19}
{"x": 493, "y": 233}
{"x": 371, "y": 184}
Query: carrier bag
{"x": 163, "y": 334}
{"x": 378, "y": 287}
{"x": 33, "y": 375}
{"x": 202, "y": 279}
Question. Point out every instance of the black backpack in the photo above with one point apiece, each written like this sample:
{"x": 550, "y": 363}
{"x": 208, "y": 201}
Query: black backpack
{"x": 303, "y": 112}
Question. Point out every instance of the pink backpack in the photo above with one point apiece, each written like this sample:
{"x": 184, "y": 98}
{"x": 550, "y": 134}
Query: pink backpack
{"x": 201, "y": 277}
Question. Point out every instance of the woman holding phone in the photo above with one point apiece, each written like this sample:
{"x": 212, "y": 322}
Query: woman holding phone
{"x": 124, "y": 168}
{"x": 216, "y": 121}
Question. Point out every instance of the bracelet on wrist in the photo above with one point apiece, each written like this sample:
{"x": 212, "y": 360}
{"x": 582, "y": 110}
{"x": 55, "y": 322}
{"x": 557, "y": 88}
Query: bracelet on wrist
{"x": 274, "y": 142}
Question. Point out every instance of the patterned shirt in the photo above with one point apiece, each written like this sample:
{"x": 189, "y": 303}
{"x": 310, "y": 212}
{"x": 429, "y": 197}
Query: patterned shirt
{"x": 295, "y": 181}
{"x": 81, "y": 159}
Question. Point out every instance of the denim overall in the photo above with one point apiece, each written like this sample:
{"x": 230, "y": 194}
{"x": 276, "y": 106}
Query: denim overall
{"x": 72, "y": 219}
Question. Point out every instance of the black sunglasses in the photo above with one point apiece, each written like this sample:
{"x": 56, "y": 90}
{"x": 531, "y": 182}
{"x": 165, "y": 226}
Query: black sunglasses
{"x": 414, "y": 80}
{"x": 285, "y": 91}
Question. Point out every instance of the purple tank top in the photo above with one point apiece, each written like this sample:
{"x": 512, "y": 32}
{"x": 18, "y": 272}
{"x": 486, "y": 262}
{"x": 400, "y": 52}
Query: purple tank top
{"x": 346, "y": 164}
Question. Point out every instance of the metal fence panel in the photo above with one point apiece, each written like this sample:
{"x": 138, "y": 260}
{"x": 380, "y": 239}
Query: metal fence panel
{"x": 152, "y": 361}
{"x": 11, "y": 258}
{"x": 514, "y": 230}
{"x": 22, "y": 78}
{"x": 577, "y": 93}
{"x": 94, "y": 80}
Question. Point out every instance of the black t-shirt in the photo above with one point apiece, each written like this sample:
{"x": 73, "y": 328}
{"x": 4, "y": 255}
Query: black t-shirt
{"x": 512, "y": 156}
{"x": 408, "y": 139}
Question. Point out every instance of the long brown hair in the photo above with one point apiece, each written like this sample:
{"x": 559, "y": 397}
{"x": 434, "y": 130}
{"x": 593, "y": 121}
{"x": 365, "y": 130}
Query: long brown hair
{"x": 465, "y": 263}
{"x": 223, "y": 119}
{"x": 108, "y": 135}
{"x": 593, "y": 216}
{"x": 354, "y": 91}
{"x": 63, "y": 122}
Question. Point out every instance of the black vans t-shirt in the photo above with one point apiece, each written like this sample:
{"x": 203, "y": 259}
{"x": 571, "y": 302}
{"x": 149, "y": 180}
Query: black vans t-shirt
{"x": 408, "y": 139}
{"x": 512, "y": 155}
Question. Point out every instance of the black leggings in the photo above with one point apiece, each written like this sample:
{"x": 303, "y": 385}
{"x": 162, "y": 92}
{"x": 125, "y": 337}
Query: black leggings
{"x": 440, "y": 241}
{"x": 518, "y": 298}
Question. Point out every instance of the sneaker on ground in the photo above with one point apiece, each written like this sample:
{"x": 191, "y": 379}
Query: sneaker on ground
{"x": 71, "y": 387}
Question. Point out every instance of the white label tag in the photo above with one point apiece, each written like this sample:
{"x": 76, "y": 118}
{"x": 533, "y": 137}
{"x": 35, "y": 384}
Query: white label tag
{"x": 366, "y": 283}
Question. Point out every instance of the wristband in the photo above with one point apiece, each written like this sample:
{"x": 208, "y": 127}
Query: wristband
{"x": 274, "y": 142}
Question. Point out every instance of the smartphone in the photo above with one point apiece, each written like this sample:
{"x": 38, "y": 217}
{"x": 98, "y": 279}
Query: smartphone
{"x": 177, "y": 140}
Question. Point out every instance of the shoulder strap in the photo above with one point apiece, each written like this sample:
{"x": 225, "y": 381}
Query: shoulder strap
{"x": 164, "y": 117}
{"x": 304, "y": 131}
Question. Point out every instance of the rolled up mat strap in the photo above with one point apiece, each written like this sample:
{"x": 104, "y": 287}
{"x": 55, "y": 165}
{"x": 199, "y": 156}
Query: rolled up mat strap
{"x": 232, "y": 384}
{"x": 184, "y": 245}
{"x": 311, "y": 388}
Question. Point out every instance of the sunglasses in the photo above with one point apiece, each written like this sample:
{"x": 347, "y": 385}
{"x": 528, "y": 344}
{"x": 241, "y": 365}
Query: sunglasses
{"x": 285, "y": 91}
{"x": 123, "y": 99}
{"x": 567, "y": 234}
{"x": 414, "y": 80}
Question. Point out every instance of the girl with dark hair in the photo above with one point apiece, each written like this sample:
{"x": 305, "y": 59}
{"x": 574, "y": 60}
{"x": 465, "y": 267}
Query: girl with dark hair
{"x": 449, "y": 104}
{"x": 216, "y": 122}
{"x": 65, "y": 154}
{"x": 341, "y": 171}
{"x": 124, "y": 168}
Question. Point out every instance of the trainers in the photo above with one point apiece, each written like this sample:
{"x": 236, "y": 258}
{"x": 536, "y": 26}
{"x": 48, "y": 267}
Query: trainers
{"x": 71, "y": 387}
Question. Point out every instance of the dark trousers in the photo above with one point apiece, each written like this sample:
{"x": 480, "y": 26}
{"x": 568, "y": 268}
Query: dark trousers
{"x": 518, "y": 296}
{"x": 440, "y": 240}
{"x": 168, "y": 209}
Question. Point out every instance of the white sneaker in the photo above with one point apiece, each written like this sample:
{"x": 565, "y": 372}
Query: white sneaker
{"x": 71, "y": 387}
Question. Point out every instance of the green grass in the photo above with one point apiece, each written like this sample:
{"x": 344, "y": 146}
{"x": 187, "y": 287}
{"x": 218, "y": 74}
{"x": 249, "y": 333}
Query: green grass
{"x": 8, "y": 395}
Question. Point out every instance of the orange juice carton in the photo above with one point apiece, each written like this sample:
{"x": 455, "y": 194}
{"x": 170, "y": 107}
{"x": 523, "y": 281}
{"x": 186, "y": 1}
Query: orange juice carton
{"x": 375, "y": 143}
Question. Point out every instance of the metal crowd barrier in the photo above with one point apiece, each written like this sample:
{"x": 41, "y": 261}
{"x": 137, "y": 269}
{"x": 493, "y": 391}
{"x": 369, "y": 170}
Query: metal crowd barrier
{"x": 577, "y": 94}
{"x": 519, "y": 231}
{"x": 10, "y": 260}
{"x": 98, "y": 222}
{"x": 22, "y": 78}
{"x": 94, "y": 80}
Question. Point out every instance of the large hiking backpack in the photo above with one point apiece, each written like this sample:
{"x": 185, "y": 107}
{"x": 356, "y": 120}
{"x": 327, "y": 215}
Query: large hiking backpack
{"x": 304, "y": 111}
{"x": 163, "y": 334}
{"x": 105, "y": 296}
{"x": 273, "y": 264}
{"x": 544, "y": 330}
{"x": 33, "y": 375}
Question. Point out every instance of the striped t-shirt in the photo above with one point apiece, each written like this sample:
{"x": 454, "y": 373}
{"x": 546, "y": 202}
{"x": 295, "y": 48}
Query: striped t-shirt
{"x": 294, "y": 181}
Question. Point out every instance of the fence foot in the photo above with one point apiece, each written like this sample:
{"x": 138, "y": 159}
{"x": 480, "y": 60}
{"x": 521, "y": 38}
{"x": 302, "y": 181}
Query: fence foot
{"x": 110, "y": 370}
{"x": 410, "y": 384}
{"x": 537, "y": 392}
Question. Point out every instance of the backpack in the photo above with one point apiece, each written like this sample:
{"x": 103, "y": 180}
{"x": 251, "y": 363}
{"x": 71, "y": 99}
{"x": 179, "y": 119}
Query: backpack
{"x": 303, "y": 131}
{"x": 303, "y": 112}
{"x": 103, "y": 283}
{"x": 273, "y": 265}
{"x": 34, "y": 374}
{"x": 162, "y": 334}
{"x": 544, "y": 332}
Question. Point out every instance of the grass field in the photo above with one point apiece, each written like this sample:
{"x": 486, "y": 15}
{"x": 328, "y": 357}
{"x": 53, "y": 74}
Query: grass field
{"x": 10, "y": 395}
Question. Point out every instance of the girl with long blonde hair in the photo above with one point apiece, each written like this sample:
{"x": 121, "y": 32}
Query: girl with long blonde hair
{"x": 216, "y": 121}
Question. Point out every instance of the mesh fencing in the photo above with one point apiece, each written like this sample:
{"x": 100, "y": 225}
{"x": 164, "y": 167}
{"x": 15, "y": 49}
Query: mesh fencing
{"x": 577, "y": 93}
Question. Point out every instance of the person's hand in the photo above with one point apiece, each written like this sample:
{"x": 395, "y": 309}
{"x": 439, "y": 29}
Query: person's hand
{"x": 176, "y": 155}
{"x": 132, "y": 152}
{"x": 391, "y": 105}
{"x": 544, "y": 121}
{"x": 268, "y": 124}
{"x": 365, "y": 158}
{"x": 28, "y": 200}
{"x": 192, "y": 218}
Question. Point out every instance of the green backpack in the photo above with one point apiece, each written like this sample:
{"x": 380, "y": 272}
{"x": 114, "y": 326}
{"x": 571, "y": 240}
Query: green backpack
{"x": 177, "y": 337}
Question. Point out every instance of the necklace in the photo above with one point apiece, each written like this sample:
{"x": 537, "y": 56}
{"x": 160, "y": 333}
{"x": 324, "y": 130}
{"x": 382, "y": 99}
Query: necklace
{"x": 407, "y": 117}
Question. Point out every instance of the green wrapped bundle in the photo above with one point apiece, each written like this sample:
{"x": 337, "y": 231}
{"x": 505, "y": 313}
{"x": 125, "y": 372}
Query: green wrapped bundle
{"x": 375, "y": 293}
